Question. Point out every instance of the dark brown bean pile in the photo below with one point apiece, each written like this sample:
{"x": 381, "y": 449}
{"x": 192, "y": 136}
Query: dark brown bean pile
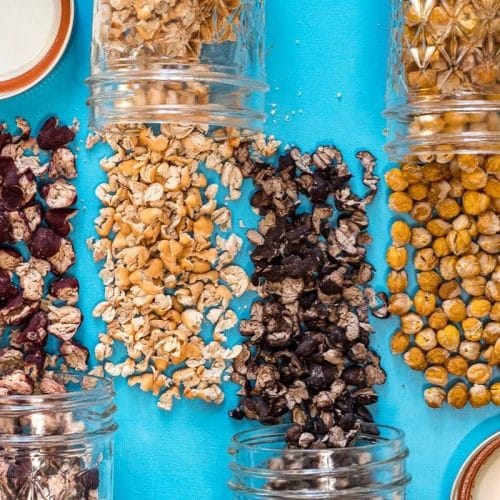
{"x": 35, "y": 208}
{"x": 307, "y": 355}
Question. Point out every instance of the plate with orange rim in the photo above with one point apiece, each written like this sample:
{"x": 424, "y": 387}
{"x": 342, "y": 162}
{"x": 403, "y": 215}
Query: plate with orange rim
{"x": 35, "y": 34}
{"x": 478, "y": 477}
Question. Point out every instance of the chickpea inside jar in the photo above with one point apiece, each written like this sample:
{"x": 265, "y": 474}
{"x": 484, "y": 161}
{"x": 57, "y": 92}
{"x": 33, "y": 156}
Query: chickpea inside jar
{"x": 448, "y": 234}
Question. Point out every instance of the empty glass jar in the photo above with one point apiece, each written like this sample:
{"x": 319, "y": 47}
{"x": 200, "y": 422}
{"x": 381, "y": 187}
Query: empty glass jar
{"x": 443, "y": 89}
{"x": 192, "y": 61}
{"x": 60, "y": 445}
{"x": 373, "y": 468}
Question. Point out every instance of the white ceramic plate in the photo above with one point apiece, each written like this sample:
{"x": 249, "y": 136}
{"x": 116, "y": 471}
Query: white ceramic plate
{"x": 479, "y": 476}
{"x": 35, "y": 34}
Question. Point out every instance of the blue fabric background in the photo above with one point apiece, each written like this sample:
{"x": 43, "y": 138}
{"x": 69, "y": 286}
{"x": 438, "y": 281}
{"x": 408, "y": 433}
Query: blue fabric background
{"x": 326, "y": 66}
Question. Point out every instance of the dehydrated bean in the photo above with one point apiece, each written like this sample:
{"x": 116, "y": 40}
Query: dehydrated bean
{"x": 306, "y": 352}
{"x": 24, "y": 310}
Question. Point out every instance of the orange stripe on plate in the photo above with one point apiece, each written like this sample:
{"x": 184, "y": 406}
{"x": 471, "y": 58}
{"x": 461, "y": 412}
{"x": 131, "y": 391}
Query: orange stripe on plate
{"x": 467, "y": 482}
{"x": 38, "y": 71}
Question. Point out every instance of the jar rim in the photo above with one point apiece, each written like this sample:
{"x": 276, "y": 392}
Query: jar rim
{"x": 239, "y": 442}
{"x": 337, "y": 470}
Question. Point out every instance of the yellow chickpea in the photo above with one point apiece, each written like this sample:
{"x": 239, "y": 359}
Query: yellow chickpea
{"x": 448, "y": 208}
{"x": 459, "y": 241}
{"x": 399, "y": 304}
{"x": 418, "y": 191}
{"x": 449, "y": 290}
{"x": 474, "y": 202}
{"x": 421, "y": 211}
{"x": 399, "y": 343}
{"x": 479, "y": 395}
{"x": 457, "y": 396}
{"x": 415, "y": 359}
{"x": 468, "y": 266}
{"x": 395, "y": 180}
{"x": 436, "y": 375}
{"x": 492, "y": 188}
{"x": 424, "y": 303}
{"x": 438, "y": 319}
{"x": 433, "y": 172}
{"x": 420, "y": 237}
{"x": 447, "y": 267}
{"x": 397, "y": 281}
{"x": 400, "y": 233}
{"x": 474, "y": 180}
{"x": 400, "y": 202}
{"x": 467, "y": 163}
{"x": 412, "y": 173}
{"x": 449, "y": 338}
{"x": 397, "y": 257}
{"x": 411, "y": 323}
{"x": 440, "y": 247}
{"x": 455, "y": 309}
{"x": 457, "y": 365}
{"x": 434, "y": 396}
{"x": 478, "y": 308}
{"x": 479, "y": 373}
{"x": 438, "y": 227}
{"x": 437, "y": 356}
{"x": 429, "y": 281}
{"x": 425, "y": 260}
{"x": 473, "y": 329}
{"x": 426, "y": 339}
{"x": 493, "y": 164}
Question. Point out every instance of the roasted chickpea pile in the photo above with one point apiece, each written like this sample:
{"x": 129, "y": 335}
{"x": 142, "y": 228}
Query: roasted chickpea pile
{"x": 450, "y": 326}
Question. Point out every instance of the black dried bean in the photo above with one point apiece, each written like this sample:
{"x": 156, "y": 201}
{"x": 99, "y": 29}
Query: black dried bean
{"x": 306, "y": 351}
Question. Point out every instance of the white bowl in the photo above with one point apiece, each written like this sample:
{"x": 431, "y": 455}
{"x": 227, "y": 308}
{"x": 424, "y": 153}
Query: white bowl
{"x": 35, "y": 34}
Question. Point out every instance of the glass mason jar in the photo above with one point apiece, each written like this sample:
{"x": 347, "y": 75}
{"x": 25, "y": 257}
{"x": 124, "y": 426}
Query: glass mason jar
{"x": 59, "y": 446}
{"x": 443, "y": 88}
{"x": 373, "y": 468}
{"x": 191, "y": 61}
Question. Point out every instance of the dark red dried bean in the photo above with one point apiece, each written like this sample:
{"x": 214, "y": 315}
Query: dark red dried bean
{"x": 90, "y": 479}
{"x": 8, "y": 170}
{"x": 63, "y": 287}
{"x": 12, "y": 198}
{"x": 7, "y": 288}
{"x": 17, "y": 310}
{"x": 20, "y": 472}
{"x": 6, "y": 235}
{"x": 53, "y": 136}
{"x": 59, "y": 220}
{"x": 45, "y": 243}
{"x": 34, "y": 359}
{"x": 36, "y": 329}
{"x": 5, "y": 138}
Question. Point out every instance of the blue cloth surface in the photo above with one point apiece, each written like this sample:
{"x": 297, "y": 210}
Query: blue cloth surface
{"x": 326, "y": 66}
